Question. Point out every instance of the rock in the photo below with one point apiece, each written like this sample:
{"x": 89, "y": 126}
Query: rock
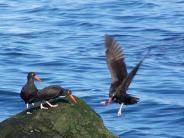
{"x": 68, "y": 120}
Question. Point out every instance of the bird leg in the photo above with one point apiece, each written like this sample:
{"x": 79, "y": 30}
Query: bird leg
{"x": 119, "y": 111}
{"x": 42, "y": 107}
{"x": 52, "y": 105}
{"x": 27, "y": 107}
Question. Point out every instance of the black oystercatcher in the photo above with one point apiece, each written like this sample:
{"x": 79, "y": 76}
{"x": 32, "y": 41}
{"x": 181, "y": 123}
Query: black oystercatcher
{"x": 52, "y": 92}
{"x": 120, "y": 78}
{"x": 29, "y": 90}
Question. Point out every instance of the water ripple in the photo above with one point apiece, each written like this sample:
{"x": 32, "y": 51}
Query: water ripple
{"x": 63, "y": 43}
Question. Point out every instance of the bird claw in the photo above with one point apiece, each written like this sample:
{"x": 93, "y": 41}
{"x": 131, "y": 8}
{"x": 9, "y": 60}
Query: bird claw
{"x": 119, "y": 113}
{"x": 28, "y": 113}
{"x": 43, "y": 107}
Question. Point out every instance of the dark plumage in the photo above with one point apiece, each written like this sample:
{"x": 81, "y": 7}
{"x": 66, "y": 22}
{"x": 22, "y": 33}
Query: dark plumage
{"x": 120, "y": 77}
{"x": 48, "y": 93}
{"x": 30, "y": 93}
{"x": 54, "y": 91}
{"x": 29, "y": 90}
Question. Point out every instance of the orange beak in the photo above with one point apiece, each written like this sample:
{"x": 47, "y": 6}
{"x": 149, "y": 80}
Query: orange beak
{"x": 110, "y": 100}
{"x": 37, "y": 78}
{"x": 73, "y": 98}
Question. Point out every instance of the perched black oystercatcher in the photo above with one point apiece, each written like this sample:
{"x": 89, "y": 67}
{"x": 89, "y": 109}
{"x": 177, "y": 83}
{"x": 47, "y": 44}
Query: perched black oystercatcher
{"x": 52, "y": 92}
{"x": 120, "y": 77}
{"x": 29, "y": 90}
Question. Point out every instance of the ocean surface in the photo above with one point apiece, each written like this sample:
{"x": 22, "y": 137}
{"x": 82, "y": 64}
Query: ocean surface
{"x": 63, "y": 42}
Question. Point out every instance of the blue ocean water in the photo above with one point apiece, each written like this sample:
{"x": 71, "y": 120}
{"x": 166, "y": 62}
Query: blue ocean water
{"x": 63, "y": 42}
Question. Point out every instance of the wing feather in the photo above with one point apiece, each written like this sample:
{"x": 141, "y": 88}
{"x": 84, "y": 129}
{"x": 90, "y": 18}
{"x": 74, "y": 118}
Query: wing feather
{"x": 126, "y": 83}
{"x": 115, "y": 60}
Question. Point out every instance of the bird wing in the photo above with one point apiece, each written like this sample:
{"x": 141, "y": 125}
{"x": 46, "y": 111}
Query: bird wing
{"x": 28, "y": 92}
{"x": 115, "y": 60}
{"x": 50, "y": 92}
{"x": 126, "y": 83}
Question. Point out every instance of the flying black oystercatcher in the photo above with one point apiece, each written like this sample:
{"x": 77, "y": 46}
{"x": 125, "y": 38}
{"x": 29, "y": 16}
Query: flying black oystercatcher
{"x": 120, "y": 78}
{"x": 30, "y": 93}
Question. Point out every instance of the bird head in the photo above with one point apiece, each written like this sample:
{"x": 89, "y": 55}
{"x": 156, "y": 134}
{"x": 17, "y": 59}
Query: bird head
{"x": 69, "y": 94}
{"x": 33, "y": 75}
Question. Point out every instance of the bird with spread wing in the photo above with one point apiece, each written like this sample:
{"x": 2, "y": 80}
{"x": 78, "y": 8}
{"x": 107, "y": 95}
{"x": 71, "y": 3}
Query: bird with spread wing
{"x": 121, "y": 79}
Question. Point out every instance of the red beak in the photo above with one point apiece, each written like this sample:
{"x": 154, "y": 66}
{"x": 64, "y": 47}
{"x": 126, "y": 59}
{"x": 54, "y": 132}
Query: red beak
{"x": 37, "y": 78}
{"x": 110, "y": 100}
{"x": 73, "y": 98}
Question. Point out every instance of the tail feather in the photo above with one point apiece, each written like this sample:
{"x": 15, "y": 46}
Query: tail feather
{"x": 131, "y": 100}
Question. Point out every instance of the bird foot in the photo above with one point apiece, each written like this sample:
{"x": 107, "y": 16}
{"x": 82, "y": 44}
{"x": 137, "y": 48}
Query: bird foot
{"x": 120, "y": 109}
{"x": 33, "y": 104}
{"x": 42, "y": 107}
{"x": 119, "y": 113}
{"x": 28, "y": 113}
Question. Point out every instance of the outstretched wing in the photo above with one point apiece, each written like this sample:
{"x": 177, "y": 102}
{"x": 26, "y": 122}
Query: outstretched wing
{"x": 115, "y": 60}
{"x": 126, "y": 83}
